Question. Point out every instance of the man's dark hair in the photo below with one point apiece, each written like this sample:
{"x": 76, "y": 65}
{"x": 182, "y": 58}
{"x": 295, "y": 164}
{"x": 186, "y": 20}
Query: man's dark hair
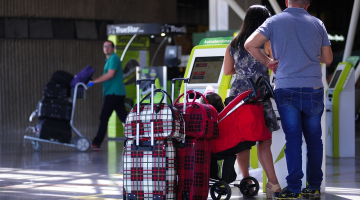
{"x": 112, "y": 44}
{"x": 255, "y": 16}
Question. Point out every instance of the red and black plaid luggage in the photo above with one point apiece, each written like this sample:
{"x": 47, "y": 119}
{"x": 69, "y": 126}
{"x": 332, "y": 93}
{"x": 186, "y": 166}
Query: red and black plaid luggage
{"x": 194, "y": 159}
{"x": 168, "y": 120}
{"x": 150, "y": 162}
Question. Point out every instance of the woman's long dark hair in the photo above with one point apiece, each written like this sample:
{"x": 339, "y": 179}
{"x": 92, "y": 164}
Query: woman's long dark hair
{"x": 255, "y": 16}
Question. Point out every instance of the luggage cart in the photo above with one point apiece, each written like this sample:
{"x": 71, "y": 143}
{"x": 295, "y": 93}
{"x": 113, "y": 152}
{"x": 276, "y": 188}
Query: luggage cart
{"x": 81, "y": 142}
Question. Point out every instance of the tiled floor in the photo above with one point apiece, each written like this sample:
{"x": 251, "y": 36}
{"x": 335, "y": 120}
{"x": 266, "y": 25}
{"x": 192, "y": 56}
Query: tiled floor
{"x": 98, "y": 175}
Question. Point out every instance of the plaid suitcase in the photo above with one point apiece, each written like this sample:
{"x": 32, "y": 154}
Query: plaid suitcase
{"x": 149, "y": 163}
{"x": 168, "y": 121}
{"x": 194, "y": 159}
{"x": 150, "y": 174}
{"x": 193, "y": 169}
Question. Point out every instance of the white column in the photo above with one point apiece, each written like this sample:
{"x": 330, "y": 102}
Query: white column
{"x": 237, "y": 9}
{"x": 275, "y": 6}
{"x": 352, "y": 29}
{"x": 218, "y": 15}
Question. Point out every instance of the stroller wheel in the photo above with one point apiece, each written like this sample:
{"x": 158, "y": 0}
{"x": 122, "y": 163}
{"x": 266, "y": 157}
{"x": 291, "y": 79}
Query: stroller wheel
{"x": 249, "y": 186}
{"x": 220, "y": 189}
{"x": 36, "y": 145}
{"x": 82, "y": 143}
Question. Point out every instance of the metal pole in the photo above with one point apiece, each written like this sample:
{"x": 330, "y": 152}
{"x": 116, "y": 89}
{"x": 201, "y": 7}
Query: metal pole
{"x": 352, "y": 29}
{"x": 127, "y": 46}
{"x": 157, "y": 50}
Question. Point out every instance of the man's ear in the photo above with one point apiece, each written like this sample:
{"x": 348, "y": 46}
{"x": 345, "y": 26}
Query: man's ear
{"x": 286, "y": 3}
{"x": 307, "y": 6}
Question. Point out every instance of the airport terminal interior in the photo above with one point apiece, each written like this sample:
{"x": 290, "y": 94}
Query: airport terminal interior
{"x": 42, "y": 37}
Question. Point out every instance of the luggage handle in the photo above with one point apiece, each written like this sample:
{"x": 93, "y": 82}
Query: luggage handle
{"x": 143, "y": 146}
{"x": 186, "y": 81}
{"x": 161, "y": 101}
{"x": 193, "y": 92}
{"x": 137, "y": 140}
{"x": 33, "y": 114}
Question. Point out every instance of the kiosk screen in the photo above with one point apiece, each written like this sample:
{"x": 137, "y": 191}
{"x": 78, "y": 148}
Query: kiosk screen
{"x": 206, "y": 69}
{"x": 335, "y": 79}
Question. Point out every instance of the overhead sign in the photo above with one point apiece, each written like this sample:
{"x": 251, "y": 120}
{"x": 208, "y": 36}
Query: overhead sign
{"x": 215, "y": 41}
{"x": 131, "y": 29}
{"x": 145, "y": 29}
{"x": 173, "y": 29}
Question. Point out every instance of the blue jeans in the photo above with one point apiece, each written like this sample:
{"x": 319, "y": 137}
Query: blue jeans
{"x": 300, "y": 110}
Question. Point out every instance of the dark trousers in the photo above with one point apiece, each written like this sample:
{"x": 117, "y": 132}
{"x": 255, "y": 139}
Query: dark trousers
{"x": 111, "y": 103}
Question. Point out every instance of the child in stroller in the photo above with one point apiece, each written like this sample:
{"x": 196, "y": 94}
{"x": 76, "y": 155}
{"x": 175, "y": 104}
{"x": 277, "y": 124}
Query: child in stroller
{"x": 232, "y": 141}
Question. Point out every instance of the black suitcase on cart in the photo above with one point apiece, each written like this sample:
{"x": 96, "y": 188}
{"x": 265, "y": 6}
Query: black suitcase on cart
{"x": 54, "y": 130}
{"x": 54, "y": 90}
{"x": 62, "y": 77}
{"x": 54, "y": 109}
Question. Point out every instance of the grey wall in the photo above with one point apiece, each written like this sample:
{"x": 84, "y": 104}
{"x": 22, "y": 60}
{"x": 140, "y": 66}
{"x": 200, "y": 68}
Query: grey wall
{"x": 123, "y": 10}
{"x": 27, "y": 64}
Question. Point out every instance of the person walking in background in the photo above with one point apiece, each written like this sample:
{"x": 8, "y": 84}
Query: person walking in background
{"x": 239, "y": 62}
{"x": 113, "y": 91}
{"x": 299, "y": 44}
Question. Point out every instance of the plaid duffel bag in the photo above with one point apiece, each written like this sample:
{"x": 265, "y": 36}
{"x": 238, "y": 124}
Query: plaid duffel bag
{"x": 167, "y": 120}
{"x": 200, "y": 119}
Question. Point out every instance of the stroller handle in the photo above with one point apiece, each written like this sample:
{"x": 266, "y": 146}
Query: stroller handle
{"x": 253, "y": 90}
{"x": 269, "y": 92}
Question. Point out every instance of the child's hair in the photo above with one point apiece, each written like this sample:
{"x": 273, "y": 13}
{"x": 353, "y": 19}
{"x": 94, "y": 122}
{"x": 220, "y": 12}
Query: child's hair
{"x": 215, "y": 100}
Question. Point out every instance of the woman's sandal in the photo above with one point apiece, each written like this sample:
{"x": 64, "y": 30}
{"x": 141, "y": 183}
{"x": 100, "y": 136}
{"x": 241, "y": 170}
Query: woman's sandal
{"x": 271, "y": 189}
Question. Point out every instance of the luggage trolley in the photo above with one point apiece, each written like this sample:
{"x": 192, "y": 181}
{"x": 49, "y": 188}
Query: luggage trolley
{"x": 249, "y": 186}
{"x": 81, "y": 142}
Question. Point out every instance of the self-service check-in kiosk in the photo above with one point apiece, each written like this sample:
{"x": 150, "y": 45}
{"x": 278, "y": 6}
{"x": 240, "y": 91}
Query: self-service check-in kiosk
{"x": 205, "y": 68}
{"x": 340, "y": 111}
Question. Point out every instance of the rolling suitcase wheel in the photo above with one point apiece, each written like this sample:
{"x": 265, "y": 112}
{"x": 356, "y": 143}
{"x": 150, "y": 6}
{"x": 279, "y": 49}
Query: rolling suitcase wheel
{"x": 249, "y": 186}
{"x": 82, "y": 143}
{"x": 219, "y": 189}
{"x": 36, "y": 145}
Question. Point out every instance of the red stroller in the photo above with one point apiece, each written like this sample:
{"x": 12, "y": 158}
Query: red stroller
{"x": 241, "y": 124}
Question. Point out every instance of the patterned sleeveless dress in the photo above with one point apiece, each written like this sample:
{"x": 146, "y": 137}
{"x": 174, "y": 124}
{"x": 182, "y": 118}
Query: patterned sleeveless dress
{"x": 247, "y": 66}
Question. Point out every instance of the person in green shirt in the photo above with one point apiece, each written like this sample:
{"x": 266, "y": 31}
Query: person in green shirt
{"x": 113, "y": 91}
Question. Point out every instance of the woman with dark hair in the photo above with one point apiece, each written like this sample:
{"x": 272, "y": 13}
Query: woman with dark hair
{"x": 241, "y": 63}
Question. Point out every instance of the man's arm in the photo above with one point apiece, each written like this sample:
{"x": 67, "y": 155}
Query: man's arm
{"x": 109, "y": 75}
{"x": 326, "y": 55}
{"x": 253, "y": 44}
{"x": 229, "y": 68}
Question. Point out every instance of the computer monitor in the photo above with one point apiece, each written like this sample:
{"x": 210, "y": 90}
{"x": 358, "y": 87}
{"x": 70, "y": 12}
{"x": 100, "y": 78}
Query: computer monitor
{"x": 335, "y": 79}
{"x": 206, "y": 70}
